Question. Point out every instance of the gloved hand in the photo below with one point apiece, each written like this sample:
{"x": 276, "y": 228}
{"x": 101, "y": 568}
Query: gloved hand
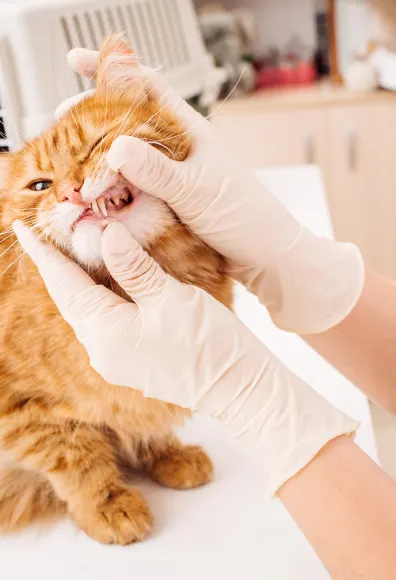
{"x": 308, "y": 283}
{"x": 207, "y": 361}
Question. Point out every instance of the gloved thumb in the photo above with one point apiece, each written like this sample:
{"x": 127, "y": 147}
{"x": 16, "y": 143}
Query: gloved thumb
{"x": 146, "y": 167}
{"x": 134, "y": 270}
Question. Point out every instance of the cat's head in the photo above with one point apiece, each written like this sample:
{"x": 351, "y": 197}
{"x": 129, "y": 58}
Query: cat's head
{"x": 60, "y": 184}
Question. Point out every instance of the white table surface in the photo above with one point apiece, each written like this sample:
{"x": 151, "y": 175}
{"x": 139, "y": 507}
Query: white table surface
{"x": 226, "y": 530}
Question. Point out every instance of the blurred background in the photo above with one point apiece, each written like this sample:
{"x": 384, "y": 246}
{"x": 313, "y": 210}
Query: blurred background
{"x": 317, "y": 88}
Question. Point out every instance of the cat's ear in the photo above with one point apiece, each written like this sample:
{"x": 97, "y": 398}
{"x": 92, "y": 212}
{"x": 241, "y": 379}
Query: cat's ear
{"x": 118, "y": 71}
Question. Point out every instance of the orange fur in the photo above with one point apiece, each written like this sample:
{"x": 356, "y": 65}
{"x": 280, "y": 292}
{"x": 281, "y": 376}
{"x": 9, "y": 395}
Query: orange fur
{"x": 67, "y": 438}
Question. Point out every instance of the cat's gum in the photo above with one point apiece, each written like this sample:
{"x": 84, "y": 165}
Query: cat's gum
{"x": 115, "y": 199}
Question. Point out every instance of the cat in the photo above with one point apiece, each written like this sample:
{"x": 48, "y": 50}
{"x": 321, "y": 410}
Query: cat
{"x": 69, "y": 442}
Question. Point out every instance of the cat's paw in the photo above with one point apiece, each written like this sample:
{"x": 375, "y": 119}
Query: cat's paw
{"x": 185, "y": 468}
{"x": 123, "y": 518}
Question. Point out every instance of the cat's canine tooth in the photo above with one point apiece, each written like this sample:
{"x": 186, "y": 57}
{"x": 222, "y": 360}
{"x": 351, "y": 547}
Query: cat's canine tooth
{"x": 124, "y": 197}
{"x": 117, "y": 200}
{"x": 102, "y": 205}
{"x": 95, "y": 206}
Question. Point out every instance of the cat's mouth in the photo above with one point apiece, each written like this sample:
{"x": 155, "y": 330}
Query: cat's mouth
{"x": 107, "y": 207}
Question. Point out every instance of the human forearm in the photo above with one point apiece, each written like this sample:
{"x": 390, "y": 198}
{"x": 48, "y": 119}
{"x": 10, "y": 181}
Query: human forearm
{"x": 346, "y": 507}
{"x": 363, "y": 346}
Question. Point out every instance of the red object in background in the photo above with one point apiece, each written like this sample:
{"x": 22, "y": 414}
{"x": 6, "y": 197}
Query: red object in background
{"x": 302, "y": 74}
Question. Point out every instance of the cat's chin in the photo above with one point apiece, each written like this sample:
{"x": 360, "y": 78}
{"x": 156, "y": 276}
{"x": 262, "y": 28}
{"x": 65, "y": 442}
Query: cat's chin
{"x": 147, "y": 219}
{"x": 86, "y": 244}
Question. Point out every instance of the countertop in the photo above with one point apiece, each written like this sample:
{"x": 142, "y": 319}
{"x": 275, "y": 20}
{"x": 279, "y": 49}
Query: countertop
{"x": 316, "y": 95}
{"x": 226, "y": 530}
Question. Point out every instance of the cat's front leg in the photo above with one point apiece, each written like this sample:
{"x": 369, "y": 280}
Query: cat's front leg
{"x": 175, "y": 465}
{"x": 79, "y": 462}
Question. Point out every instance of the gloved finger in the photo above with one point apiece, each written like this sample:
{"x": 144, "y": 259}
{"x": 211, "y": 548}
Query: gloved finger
{"x": 64, "y": 279}
{"x": 134, "y": 270}
{"x": 83, "y": 61}
{"x": 72, "y": 102}
{"x": 146, "y": 167}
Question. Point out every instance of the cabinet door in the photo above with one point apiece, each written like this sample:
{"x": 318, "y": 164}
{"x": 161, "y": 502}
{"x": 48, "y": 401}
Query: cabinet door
{"x": 361, "y": 180}
{"x": 281, "y": 137}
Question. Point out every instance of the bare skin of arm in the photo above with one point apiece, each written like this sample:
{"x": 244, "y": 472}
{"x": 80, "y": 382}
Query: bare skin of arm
{"x": 345, "y": 505}
{"x": 342, "y": 501}
{"x": 363, "y": 346}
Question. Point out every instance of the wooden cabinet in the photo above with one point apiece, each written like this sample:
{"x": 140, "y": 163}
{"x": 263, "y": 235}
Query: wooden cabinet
{"x": 276, "y": 138}
{"x": 352, "y": 137}
{"x": 362, "y": 184}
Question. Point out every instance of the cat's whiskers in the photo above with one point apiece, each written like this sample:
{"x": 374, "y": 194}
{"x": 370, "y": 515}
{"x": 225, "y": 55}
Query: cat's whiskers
{"x": 23, "y": 253}
{"x": 105, "y": 119}
{"x": 10, "y": 230}
{"x": 9, "y": 248}
{"x": 8, "y": 234}
{"x": 25, "y": 141}
{"x": 72, "y": 110}
{"x": 22, "y": 209}
{"x": 83, "y": 102}
{"x": 130, "y": 113}
{"x": 11, "y": 234}
{"x": 161, "y": 145}
{"x": 157, "y": 113}
{"x": 190, "y": 130}
{"x": 102, "y": 163}
{"x": 34, "y": 223}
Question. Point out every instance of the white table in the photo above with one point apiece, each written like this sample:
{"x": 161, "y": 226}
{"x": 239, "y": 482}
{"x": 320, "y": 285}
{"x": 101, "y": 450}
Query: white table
{"x": 225, "y": 530}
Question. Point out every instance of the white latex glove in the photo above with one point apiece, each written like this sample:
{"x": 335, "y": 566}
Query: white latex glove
{"x": 309, "y": 284}
{"x": 204, "y": 358}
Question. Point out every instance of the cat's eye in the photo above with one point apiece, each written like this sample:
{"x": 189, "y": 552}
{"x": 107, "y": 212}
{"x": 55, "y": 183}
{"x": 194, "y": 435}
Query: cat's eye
{"x": 97, "y": 143}
{"x": 40, "y": 185}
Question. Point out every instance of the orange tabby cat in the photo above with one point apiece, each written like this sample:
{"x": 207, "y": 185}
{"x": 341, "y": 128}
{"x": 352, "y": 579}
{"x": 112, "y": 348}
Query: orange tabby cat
{"x": 67, "y": 439}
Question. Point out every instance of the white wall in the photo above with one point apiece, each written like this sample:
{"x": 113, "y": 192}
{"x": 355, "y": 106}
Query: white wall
{"x": 278, "y": 20}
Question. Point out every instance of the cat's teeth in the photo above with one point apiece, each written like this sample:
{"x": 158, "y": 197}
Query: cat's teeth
{"x": 124, "y": 197}
{"x": 117, "y": 200}
{"x": 95, "y": 206}
{"x": 102, "y": 206}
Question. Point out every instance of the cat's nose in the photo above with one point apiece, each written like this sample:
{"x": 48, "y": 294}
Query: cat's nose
{"x": 71, "y": 191}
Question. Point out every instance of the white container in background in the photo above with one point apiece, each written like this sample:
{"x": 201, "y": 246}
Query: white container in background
{"x": 384, "y": 62}
{"x": 35, "y": 36}
{"x": 360, "y": 75}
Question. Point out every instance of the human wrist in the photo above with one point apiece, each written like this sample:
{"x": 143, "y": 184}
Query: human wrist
{"x": 280, "y": 421}
{"x": 312, "y": 287}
